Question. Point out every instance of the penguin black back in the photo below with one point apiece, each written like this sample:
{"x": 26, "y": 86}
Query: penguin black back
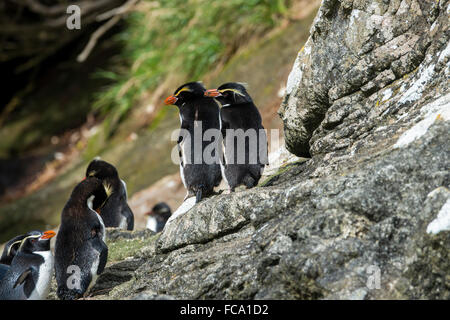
{"x": 198, "y": 114}
{"x": 80, "y": 249}
{"x": 244, "y": 162}
{"x": 115, "y": 211}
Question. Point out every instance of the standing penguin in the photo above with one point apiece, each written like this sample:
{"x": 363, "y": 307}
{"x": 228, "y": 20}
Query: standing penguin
{"x": 198, "y": 114}
{"x": 245, "y": 140}
{"x": 115, "y": 212}
{"x": 30, "y": 273}
{"x": 80, "y": 251}
{"x": 158, "y": 217}
{"x": 10, "y": 249}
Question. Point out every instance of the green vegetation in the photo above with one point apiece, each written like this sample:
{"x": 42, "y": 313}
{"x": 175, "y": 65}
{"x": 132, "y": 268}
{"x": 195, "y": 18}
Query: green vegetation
{"x": 182, "y": 39}
{"x": 123, "y": 248}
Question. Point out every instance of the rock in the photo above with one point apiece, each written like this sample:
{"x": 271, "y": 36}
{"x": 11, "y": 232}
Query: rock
{"x": 364, "y": 64}
{"x": 368, "y": 99}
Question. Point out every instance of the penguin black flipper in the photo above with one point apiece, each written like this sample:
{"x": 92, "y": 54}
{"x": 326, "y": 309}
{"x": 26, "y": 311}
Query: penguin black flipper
{"x": 129, "y": 216}
{"x": 103, "y": 259}
{"x": 125, "y": 210}
{"x": 198, "y": 195}
{"x": 27, "y": 274}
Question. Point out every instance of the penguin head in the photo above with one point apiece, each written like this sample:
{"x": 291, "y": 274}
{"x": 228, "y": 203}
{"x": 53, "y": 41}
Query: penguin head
{"x": 101, "y": 170}
{"x": 187, "y": 92}
{"x": 91, "y": 192}
{"x": 36, "y": 241}
{"x": 230, "y": 93}
{"x": 109, "y": 176}
{"x": 11, "y": 248}
{"x": 161, "y": 211}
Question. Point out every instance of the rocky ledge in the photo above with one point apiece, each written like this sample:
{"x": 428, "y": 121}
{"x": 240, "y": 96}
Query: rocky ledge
{"x": 366, "y": 217}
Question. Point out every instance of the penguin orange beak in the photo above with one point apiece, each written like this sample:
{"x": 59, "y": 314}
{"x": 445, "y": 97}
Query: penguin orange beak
{"x": 48, "y": 235}
{"x": 170, "y": 100}
{"x": 212, "y": 93}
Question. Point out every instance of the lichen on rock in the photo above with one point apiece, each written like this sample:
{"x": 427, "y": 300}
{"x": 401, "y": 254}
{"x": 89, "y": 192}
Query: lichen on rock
{"x": 350, "y": 222}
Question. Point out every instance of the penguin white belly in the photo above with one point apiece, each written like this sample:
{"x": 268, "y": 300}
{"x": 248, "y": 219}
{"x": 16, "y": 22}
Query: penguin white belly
{"x": 94, "y": 268}
{"x": 182, "y": 176}
{"x": 42, "y": 287}
{"x": 151, "y": 223}
{"x": 100, "y": 220}
{"x": 222, "y": 166}
{"x": 222, "y": 170}
{"x": 96, "y": 262}
{"x": 183, "y": 161}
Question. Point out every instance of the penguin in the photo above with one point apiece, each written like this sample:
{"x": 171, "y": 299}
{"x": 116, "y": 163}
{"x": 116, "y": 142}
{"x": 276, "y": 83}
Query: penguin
{"x": 9, "y": 252}
{"x": 245, "y": 154}
{"x": 158, "y": 217}
{"x": 80, "y": 250}
{"x": 30, "y": 273}
{"x": 10, "y": 249}
{"x": 198, "y": 174}
{"x": 3, "y": 270}
{"x": 115, "y": 212}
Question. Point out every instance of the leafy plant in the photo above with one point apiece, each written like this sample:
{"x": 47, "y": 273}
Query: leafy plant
{"x": 182, "y": 37}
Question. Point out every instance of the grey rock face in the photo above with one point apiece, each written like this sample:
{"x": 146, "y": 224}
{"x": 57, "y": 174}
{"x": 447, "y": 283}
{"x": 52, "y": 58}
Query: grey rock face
{"x": 365, "y": 64}
{"x": 365, "y": 217}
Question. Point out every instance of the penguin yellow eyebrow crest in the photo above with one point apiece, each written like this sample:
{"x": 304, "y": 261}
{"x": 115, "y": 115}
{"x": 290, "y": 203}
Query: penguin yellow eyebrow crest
{"x": 23, "y": 241}
{"x": 108, "y": 189}
{"x": 232, "y": 90}
{"x": 183, "y": 89}
{"x": 12, "y": 245}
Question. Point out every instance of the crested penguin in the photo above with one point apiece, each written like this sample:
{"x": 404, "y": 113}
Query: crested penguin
{"x": 80, "y": 249}
{"x": 115, "y": 212}
{"x": 3, "y": 270}
{"x": 244, "y": 137}
{"x": 199, "y": 169}
{"x": 158, "y": 217}
{"x": 10, "y": 249}
{"x": 31, "y": 270}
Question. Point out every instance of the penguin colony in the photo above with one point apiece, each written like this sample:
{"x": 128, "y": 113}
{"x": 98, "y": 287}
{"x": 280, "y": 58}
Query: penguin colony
{"x": 99, "y": 201}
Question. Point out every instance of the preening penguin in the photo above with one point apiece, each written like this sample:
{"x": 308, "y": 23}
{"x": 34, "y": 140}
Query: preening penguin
{"x": 115, "y": 212}
{"x": 30, "y": 273}
{"x": 244, "y": 137}
{"x": 199, "y": 169}
{"x": 158, "y": 217}
{"x": 80, "y": 251}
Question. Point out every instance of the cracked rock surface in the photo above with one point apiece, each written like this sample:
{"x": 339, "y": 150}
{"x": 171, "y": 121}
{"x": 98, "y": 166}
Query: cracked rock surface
{"x": 368, "y": 99}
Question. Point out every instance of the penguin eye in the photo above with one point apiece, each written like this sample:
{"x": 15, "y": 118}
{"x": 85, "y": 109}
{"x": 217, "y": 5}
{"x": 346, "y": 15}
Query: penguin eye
{"x": 33, "y": 241}
{"x": 93, "y": 233}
